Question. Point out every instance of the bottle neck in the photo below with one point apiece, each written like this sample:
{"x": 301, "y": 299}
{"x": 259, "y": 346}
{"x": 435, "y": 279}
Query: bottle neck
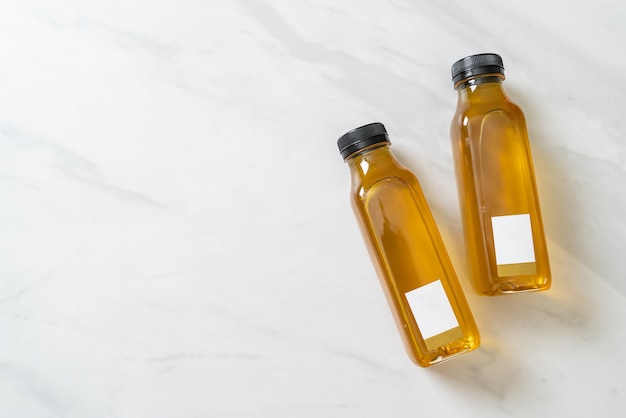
{"x": 367, "y": 161}
{"x": 481, "y": 88}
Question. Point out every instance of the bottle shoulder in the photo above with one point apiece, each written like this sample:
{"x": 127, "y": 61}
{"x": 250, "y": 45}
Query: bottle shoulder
{"x": 469, "y": 113}
{"x": 362, "y": 185}
{"x": 481, "y": 105}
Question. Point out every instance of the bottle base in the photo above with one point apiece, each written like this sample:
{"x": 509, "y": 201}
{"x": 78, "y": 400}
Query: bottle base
{"x": 448, "y": 352}
{"x": 511, "y": 287}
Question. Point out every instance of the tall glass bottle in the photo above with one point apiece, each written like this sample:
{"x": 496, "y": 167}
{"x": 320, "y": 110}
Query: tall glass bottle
{"x": 422, "y": 289}
{"x": 504, "y": 236}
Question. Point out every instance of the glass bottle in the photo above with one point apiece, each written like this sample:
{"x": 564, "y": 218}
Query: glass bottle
{"x": 504, "y": 237}
{"x": 422, "y": 289}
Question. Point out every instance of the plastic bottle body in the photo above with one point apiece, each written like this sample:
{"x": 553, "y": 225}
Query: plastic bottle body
{"x": 422, "y": 289}
{"x": 504, "y": 237}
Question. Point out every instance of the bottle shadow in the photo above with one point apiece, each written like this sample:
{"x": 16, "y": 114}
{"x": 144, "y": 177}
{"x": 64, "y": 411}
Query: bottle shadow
{"x": 523, "y": 340}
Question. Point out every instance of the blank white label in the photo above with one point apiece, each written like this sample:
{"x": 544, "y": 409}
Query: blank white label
{"x": 513, "y": 239}
{"x": 431, "y": 309}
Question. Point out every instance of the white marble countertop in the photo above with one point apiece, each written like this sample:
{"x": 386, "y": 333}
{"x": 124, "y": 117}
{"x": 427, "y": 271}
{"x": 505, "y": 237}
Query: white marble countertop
{"x": 176, "y": 238}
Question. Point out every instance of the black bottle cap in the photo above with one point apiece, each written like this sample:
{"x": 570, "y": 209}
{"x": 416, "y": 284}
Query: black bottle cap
{"x": 476, "y": 65}
{"x": 362, "y": 137}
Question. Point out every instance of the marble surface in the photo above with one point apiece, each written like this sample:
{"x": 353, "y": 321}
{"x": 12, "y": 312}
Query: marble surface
{"x": 176, "y": 238}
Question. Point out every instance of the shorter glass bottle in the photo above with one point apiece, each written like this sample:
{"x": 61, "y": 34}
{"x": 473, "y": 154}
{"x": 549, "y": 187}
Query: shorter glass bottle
{"x": 422, "y": 289}
{"x": 504, "y": 238}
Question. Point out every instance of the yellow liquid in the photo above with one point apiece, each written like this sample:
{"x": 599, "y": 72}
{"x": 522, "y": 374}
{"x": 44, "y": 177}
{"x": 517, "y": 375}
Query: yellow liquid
{"x": 408, "y": 253}
{"x": 495, "y": 179}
